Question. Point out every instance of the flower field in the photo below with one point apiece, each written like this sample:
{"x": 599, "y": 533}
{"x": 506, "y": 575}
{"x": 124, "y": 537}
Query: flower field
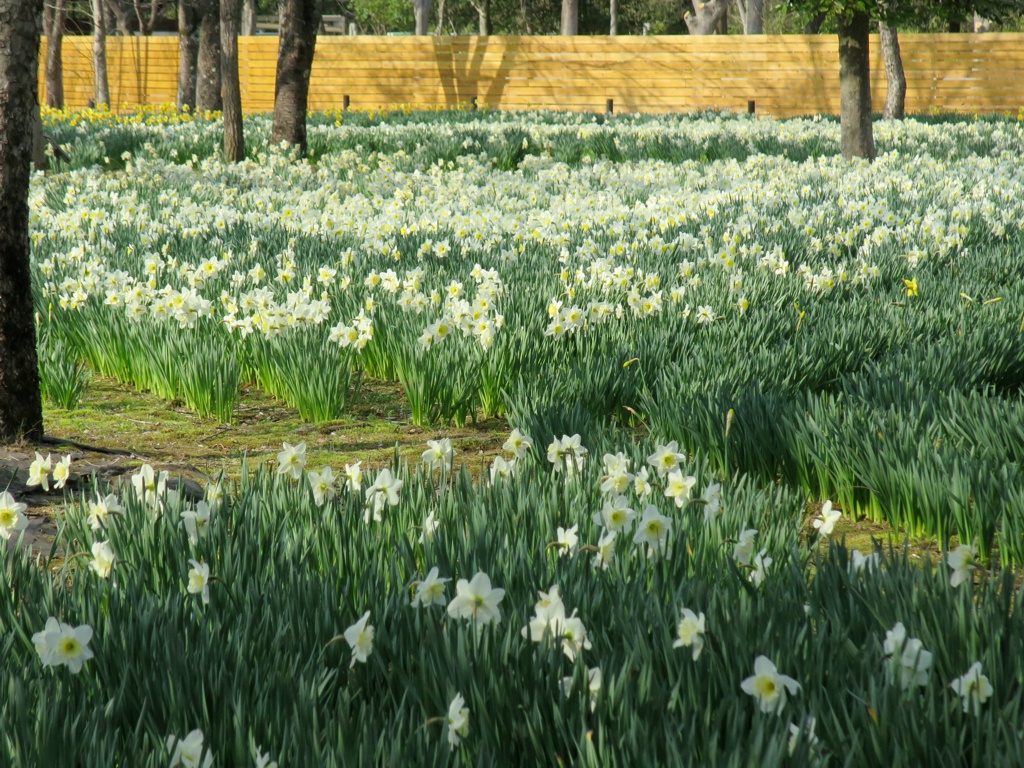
{"x": 697, "y": 329}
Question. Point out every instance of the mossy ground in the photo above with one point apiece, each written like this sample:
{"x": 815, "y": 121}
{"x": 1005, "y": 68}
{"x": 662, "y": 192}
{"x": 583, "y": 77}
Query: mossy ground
{"x": 113, "y": 415}
{"x": 141, "y": 428}
{"x": 145, "y": 429}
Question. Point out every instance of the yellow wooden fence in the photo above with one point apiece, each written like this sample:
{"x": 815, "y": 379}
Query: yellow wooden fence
{"x": 785, "y": 75}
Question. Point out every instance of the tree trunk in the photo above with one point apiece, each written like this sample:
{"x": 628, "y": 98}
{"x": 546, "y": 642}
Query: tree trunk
{"x": 145, "y": 28}
{"x": 570, "y": 17}
{"x": 120, "y": 15}
{"x": 420, "y": 9}
{"x": 101, "y": 90}
{"x": 156, "y": 9}
{"x": 38, "y": 141}
{"x": 857, "y": 139}
{"x": 208, "y": 77}
{"x": 896, "y": 81}
{"x": 813, "y": 26}
{"x": 706, "y": 16}
{"x": 484, "y": 12}
{"x": 613, "y": 17}
{"x": 230, "y": 22}
{"x": 188, "y": 53}
{"x": 54, "y": 28}
{"x": 21, "y": 409}
{"x": 248, "y": 19}
{"x": 299, "y": 20}
{"x": 753, "y": 24}
{"x": 527, "y": 19}
{"x": 439, "y": 30}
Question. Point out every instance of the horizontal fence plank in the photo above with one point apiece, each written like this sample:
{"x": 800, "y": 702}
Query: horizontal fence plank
{"x": 786, "y": 75}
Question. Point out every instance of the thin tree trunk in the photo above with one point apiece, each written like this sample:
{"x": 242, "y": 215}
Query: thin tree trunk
{"x": 570, "y": 17}
{"x": 813, "y": 26}
{"x": 188, "y": 53}
{"x": 440, "y": 18}
{"x": 101, "y": 90}
{"x": 706, "y": 16}
{"x": 143, "y": 28}
{"x": 121, "y": 17}
{"x": 421, "y": 10}
{"x": 299, "y": 20}
{"x": 54, "y": 54}
{"x": 230, "y": 22}
{"x": 484, "y": 14}
{"x": 525, "y": 15}
{"x": 741, "y": 9}
{"x": 146, "y": 22}
{"x": 753, "y": 24}
{"x": 857, "y": 139}
{"x": 613, "y": 17}
{"x": 156, "y": 8}
{"x": 896, "y": 81}
{"x": 249, "y": 28}
{"x": 208, "y": 77}
{"x": 21, "y": 410}
{"x": 38, "y": 141}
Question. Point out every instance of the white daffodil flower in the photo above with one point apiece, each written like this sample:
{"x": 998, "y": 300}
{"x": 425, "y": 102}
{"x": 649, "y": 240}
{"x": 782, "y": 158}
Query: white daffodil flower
{"x": 566, "y": 540}
{"x": 430, "y": 589}
{"x": 102, "y": 559}
{"x": 439, "y": 454}
{"x": 768, "y": 686}
{"x": 292, "y": 460}
{"x": 678, "y": 487}
{"x": 666, "y": 458}
{"x": 861, "y": 563}
{"x": 359, "y": 636}
{"x": 196, "y": 521}
{"x": 39, "y": 472}
{"x": 101, "y": 509}
{"x": 12, "y": 518}
{"x": 458, "y": 720}
{"x": 58, "y": 643}
{"x": 615, "y": 515}
{"x": 974, "y": 688}
{"x": 961, "y": 562}
{"x": 323, "y": 485}
{"x": 605, "y": 550}
{"x": 712, "y": 498}
{"x": 593, "y": 685}
{"x": 690, "y": 632}
{"x": 188, "y": 752}
{"x": 199, "y": 580}
{"x": 743, "y": 552}
{"x": 653, "y": 530}
{"x": 62, "y": 472}
{"x": 476, "y": 600}
{"x": 384, "y": 491}
{"x": 826, "y": 521}
{"x": 907, "y": 661}
{"x": 502, "y": 469}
